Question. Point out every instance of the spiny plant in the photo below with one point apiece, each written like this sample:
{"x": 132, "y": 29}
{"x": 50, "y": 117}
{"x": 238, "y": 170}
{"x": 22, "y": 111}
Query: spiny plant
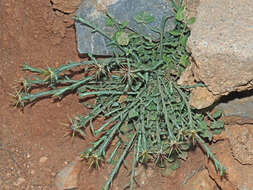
{"x": 147, "y": 112}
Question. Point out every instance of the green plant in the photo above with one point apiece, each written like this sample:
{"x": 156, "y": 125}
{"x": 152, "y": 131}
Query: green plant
{"x": 136, "y": 90}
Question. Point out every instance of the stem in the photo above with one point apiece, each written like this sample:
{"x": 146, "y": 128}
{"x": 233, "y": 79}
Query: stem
{"x": 186, "y": 103}
{"x": 118, "y": 164}
{"x": 83, "y": 21}
{"x": 165, "y": 110}
{"x": 219, "y": 167}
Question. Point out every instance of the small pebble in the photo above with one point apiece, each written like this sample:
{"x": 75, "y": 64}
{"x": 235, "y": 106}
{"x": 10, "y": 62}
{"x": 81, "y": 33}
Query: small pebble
{"x": 28, "y": 156}
{"x": 43, "y": 159}
{"x": 32, "y": 172}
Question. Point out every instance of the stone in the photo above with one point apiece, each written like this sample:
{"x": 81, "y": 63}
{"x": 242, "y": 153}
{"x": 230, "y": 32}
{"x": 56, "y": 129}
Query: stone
{"x": 239, "y": 107}
{"x": 121, "y": 10}
{"x": 201, "y": 97}
{"x": 66, "y": 6}
{"x": 67, "y": 178}
{"x": 237, "y": 177}
{"x": 241, "y": 141}
{"x": 201, "y": 181}
{"x": 187, "y": 77}
{"x": 43, "y": 159}
{"x": 191, "y": 7}
{"x": 221, "y": 43}
{"x": 231, "y": 120}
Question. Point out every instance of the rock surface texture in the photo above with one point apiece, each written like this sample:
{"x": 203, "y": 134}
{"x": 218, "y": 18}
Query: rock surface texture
{"x": 235, "y": 154}
{"x": 241, "y": 141}
{"x": 121, "y": 10}
{"x": 221, "y": 43}
{"x": 240, "y": 107}
{"x": 67, "y": 178}
{"x": 201, "y": 181}
{"x": 66, "y": 6}
{"x": 201, "y": 98}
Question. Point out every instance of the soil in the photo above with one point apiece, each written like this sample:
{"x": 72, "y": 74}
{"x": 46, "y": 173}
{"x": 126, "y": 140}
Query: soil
{"x": 33, "y": 142}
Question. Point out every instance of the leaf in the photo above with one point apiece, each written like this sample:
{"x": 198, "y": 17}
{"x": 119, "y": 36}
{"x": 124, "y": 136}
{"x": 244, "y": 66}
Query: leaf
{"x": 206, "y": 134}
{"x": 202, "y": 125}
{"x": 217, "y": 131}
{"x": 185, "y": 146}
{"x": 175, "y": 32}
{"x": 108, "y": 22}
{"x": 180, "y": 14}
{"x": 183, "y": 40}
{"x": 115, "y": 104}
{"x": 217, "y": 114}
{"x": 132, "y": 114}
{"x": 184, "y": 61}
{"x": 191, "y": 20}
{"x": 175, "y": 165}
{"x": 124, "y": 128}
{"x": 173, "y": 44}
{"x": 122, "y": 38}
{"x": 152, "y": 107}
{"x": 124, "y": 24}
{"x": 217, "y": 125}
{"x": 152, "y": 117}
{"x": 143, "y": 17}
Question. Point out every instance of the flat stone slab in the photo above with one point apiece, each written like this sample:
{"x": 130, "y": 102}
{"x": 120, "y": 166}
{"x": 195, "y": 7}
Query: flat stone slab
{"x": 121, "y": 10}
{"x": 221, "y": 43}
{"x": 239, "y": 107}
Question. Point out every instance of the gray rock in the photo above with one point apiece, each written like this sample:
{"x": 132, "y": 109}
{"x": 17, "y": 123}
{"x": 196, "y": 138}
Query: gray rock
{"x": 67, "y": 178}
{"x": 121, "y": 10}
{"x": 239, "y": 107}
{"x": 221, "y": 43}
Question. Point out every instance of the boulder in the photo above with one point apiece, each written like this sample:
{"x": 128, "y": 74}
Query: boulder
{"x": 221, "y": 43}
{"x": 66, "y": 6}
{"x": 235, "y": 153}
{"x": 121, "y": 10}
{"x": 241, "y": 106}
{"x": 68, "y": 177}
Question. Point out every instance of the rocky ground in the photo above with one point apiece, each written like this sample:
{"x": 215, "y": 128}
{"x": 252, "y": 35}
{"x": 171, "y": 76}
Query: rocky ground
{"x": 34, "y": 148}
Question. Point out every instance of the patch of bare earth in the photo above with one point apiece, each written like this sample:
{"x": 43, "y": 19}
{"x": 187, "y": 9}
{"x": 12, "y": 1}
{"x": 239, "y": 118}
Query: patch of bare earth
{"x": 33, "y": 146}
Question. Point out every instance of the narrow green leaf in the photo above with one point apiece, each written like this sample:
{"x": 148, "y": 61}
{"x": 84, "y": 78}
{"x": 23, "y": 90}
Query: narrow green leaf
{"x": 122, "y": 38}
{"x": 217, "y": 114}
{"x": 143, "y": 17}
{"x": 133, "y": 114}
{"x": 184, "y": 60}
{"x": 191, "y": 20}
{"x": 124, "y": 24}
{"x": 175, "y": 33}
{"x": 217, "y": 124}
{"x": 108, "y": 22}
{"x": 180, "y": 14}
